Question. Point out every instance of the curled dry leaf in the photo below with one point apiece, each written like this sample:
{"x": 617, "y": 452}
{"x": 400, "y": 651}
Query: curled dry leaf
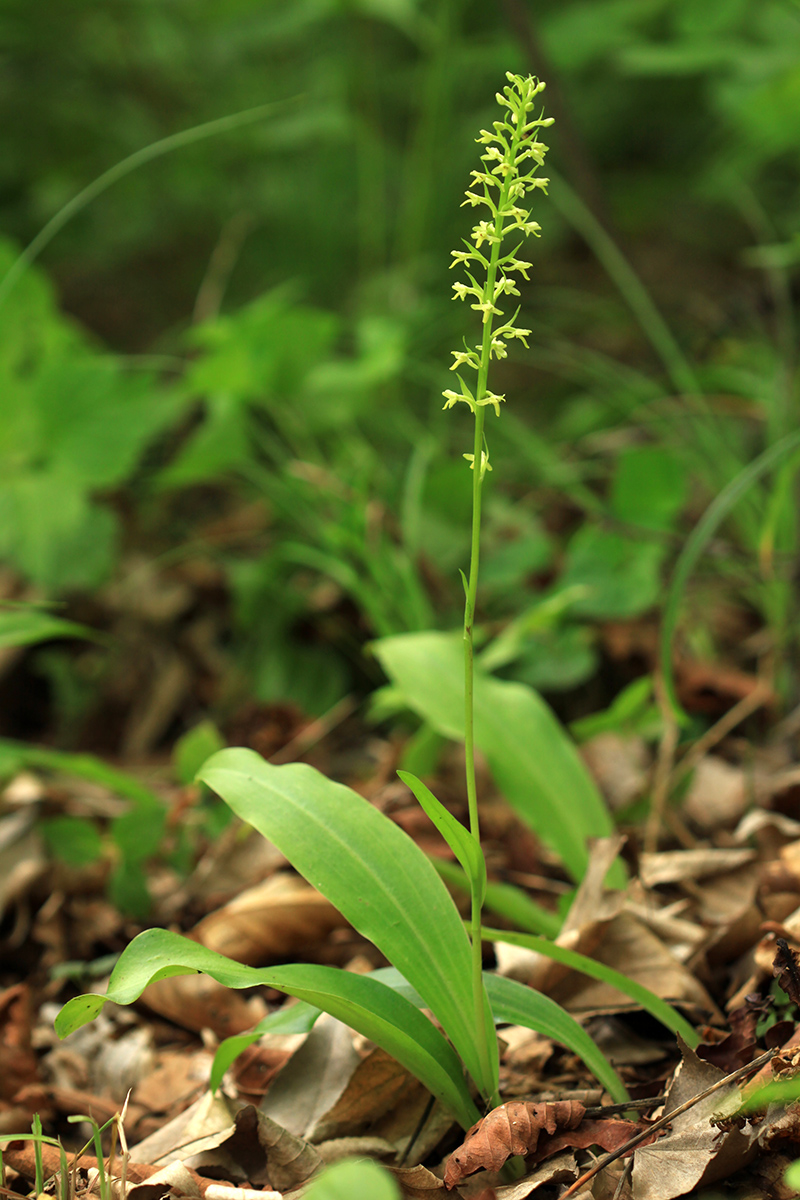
{"x": 511, "y": 1129}
{"x": 786, "y": 970}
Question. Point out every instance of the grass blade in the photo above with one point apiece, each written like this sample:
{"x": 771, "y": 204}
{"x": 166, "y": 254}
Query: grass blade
{"x": 650, "y": 1002}
{"x": 695, "y": 544}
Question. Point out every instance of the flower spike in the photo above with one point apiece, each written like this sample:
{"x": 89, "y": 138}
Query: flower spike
{"x": 511, "y": 157}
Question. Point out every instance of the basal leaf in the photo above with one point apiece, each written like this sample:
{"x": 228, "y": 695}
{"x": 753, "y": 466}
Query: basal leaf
{"x": 375, "y": 875}
{"x": 533, "y": 761}
{"x": 366, "y": 1005}
{"x": 520, "y": 1005}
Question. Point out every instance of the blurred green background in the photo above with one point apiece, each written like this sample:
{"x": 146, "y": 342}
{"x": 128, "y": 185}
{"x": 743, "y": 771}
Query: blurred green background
{"x": 221, "y": 436}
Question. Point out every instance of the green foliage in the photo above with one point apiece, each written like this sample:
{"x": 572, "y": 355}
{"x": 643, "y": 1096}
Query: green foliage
{"x": 73, "y": 422}
{"x": 383, "y": 884}
{"x": 531, "y": 758}
{"x": 649, "y": 1001}
{"x": 377, "y": 878}
{"x": 24, "y": 625}
{"x": 353, "y": 1179}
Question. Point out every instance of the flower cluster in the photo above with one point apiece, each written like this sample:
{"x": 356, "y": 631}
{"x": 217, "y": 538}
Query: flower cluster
{"x": 510, "y": 161}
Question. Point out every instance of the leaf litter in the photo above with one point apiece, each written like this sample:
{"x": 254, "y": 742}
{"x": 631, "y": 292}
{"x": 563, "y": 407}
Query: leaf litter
{"x": 710, "y": 921}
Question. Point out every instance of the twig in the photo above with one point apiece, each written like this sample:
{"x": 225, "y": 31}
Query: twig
{"x": 624, "y": 1178}
{"x": 664, "y": 764}
{"x": 747, "y": 705}
{"x": 666, "y": 1120}
{"x": 302, "y": 742}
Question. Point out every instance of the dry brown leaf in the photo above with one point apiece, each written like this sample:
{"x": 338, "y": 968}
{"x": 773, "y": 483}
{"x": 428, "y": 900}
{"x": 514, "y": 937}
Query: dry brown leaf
{"x": 629, "y": 946}
{"x": 22, "y": 857}
{"x": 274, "y": 919}
{"x": 561, "y": 1168}
{"x": 18, "y": 1065}
{"x": 674, "y": 866}
{"x": 197, "y": 1127}
{"x": 719, "y": 794}
{"x": 197, "y": 1002}
{"x": 175, "y": 1080}
{"x": 262, "y": 1152}
{"x": 591, "y": 909}
{"x": 416, "y": 1183}
{"x": 619, "y": 766}
{"x": 512, "y": 1129}
{"x": 313, "y": 1079}
{"x": 385, "y": 1099}
{"x": 695, "y": 1151}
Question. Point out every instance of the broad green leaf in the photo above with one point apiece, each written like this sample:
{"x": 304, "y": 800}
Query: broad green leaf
{"x": 649, "y": 1001}
{"x": 297, "y": 1018}
{"x": 24, "y": 626}
{"x": 459, "y": 839}
{"x": 353, "y": 1179}
{"x": 649, "y": 487}
{"x": 621, "y": 574}
{"x": 366, "y": 1005}
{"x": 375, "y": 875}
{"x": 520, "y": 1005}
{"x": 533, "y": 761}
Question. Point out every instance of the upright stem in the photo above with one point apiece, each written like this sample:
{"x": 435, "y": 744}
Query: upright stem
{"x": 501, "y": 169}
{"x": 478, "y": 990}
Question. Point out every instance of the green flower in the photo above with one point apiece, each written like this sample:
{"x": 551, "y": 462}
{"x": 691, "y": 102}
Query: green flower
{"x": 511, "y": 157}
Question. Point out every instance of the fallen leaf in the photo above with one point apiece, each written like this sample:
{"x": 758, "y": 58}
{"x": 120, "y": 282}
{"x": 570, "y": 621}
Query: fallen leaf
{"x": 197, "y": 1002}
{"x": 695, "y": 1151}
{"x": 313, "y": 1079}
{"x": 384, "y": 1099}
{"x": 272, "y": 920}
{"x": 673, "y": 866}
{"x": 511, "y": 1129}
{"x": 629, "y": 946}
{"x": 786, "y": 970}
{"x": 718, "y": 795}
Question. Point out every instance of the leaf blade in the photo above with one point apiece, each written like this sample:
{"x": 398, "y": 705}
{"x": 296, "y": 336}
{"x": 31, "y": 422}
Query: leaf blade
{"x": 375, "y": 875}
{"x": 365, "y": 1004}
{"x": 650, "y": 1002}
{"x": 520, "y": 1005}
{"x": 531, "y": 758}
{"x": 459, "y": 839}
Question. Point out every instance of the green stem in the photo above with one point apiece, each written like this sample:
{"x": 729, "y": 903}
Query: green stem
{"x": 478, "y": 990}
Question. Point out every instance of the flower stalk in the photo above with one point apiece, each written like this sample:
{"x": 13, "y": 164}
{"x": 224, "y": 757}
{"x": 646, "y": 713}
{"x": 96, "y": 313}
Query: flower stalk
{"x": 509, "y": 164}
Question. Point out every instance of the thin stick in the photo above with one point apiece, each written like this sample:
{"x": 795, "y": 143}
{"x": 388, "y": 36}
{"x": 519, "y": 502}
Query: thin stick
{"x": 666, "y": 1120}
{"x": 664, "y": 764}
{"x": 624, "y": 1178}
{"x": 733, "y": 717}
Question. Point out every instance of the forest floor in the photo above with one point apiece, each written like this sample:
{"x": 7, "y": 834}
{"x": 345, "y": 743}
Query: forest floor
{"x": 709, "y": 921}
